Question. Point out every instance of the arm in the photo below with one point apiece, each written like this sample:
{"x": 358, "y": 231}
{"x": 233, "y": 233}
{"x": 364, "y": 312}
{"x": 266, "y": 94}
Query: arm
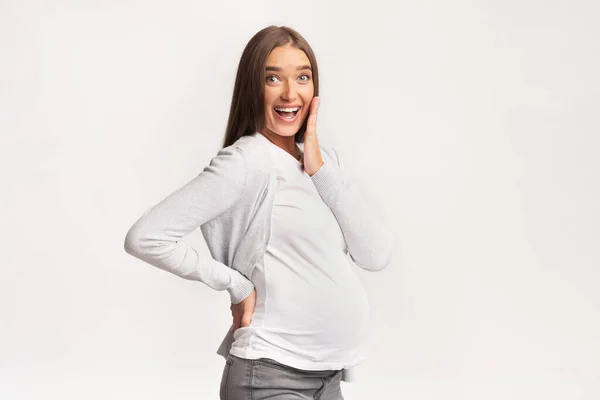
{"x": 156, "y": 237}
{"x": 368, "y": 239}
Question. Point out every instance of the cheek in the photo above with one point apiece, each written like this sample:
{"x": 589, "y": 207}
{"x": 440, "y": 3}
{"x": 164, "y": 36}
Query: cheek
{"x": 308, "y": 92}
{"x": 269, "y": 100}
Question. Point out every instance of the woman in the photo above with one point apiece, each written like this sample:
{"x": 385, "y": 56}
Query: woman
{"x": 282, "y": 223}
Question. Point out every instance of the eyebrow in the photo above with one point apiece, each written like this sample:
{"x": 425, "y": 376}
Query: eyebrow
{"x": 279, "y": 69}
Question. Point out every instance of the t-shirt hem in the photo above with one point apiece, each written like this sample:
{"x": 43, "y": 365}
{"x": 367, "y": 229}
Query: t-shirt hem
{"x": 250, "y": 354}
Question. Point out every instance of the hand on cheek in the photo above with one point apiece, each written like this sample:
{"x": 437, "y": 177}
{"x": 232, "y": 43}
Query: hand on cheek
{"x": 312, "y": 154}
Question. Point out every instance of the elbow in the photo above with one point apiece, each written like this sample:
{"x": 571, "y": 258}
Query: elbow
{"x": 138, "y": 237}
{"x": 386, "y": 252}
{"x": 383, "y": 263}
{"x": 134, "y": 242}
{"x": 380, "y": 263}
{"x": 374, "y": 263}
{"x": 379, "y": 258}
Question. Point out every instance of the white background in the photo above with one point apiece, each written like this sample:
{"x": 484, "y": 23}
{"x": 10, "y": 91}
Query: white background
{"x": 472, "y": 127}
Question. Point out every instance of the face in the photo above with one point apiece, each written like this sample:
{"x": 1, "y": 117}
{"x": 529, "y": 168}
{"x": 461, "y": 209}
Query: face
{"x": 288, "y": 90}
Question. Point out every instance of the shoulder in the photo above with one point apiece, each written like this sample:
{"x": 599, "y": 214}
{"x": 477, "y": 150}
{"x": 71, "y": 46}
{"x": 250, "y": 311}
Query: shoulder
{"x": 246, "y": 160}
{"x": 254, "y": 151}
{"x": 245, "y": 150}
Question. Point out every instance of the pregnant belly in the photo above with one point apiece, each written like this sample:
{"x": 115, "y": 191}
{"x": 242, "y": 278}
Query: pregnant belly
{"x": 326, "y": 314}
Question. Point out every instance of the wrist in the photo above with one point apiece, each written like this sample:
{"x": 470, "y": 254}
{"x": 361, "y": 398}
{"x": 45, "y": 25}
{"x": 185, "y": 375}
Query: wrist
{"x": 239, "y": 287}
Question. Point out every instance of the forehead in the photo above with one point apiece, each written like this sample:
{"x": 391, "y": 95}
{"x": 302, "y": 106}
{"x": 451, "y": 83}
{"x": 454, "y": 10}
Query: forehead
{"x": 287, "y": 57}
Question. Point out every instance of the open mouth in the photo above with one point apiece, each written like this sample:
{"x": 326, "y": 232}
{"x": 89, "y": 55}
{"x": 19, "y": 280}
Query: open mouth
{"x": 288, "y": 113}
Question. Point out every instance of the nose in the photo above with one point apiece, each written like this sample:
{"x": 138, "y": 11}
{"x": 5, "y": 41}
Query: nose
{"x": 289, "y": 91}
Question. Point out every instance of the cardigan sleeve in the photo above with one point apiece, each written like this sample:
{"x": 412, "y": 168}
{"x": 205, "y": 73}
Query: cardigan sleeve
{"x": 369, "y": 241}
{"x": 156, "y": 237}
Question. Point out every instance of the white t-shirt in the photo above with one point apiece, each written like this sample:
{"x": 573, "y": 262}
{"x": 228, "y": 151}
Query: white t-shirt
{"x": 311, "y": 309}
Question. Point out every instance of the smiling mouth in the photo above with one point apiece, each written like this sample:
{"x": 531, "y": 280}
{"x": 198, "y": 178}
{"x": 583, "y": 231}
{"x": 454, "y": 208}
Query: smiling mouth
{"x": 287, "y": 112}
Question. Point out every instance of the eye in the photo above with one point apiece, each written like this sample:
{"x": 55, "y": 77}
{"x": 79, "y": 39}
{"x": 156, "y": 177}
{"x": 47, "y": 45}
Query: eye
{"x": 271, "y": 76}
{"x": 306, "y": 76}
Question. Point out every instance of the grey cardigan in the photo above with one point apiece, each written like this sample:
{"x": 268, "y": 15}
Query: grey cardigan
{"x": 231, "y": 201}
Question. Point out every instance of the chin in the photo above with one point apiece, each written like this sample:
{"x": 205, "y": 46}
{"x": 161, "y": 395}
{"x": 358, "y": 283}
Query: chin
{"x": 288, "y": 132}
{"x": 285, "y": 131}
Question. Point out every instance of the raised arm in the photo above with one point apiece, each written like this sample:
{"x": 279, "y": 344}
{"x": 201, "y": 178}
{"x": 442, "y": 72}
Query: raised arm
{"x": 369, "y": 240}
{"x": 156, "y": 237}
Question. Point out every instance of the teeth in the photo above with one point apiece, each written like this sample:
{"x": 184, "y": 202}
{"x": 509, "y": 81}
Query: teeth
{"x": 287, "y": 109}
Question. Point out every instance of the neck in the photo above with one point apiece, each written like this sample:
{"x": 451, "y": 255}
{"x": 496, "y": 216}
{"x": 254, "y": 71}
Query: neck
{"x": 287, "y": 143}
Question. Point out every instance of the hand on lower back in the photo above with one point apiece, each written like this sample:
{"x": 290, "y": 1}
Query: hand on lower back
{"x": 242, "y": 312}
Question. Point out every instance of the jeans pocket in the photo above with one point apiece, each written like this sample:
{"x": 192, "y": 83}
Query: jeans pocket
{"x": 273, "y": 364}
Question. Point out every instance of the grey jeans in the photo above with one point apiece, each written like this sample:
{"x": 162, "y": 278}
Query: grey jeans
{"x": 267, "y": 379}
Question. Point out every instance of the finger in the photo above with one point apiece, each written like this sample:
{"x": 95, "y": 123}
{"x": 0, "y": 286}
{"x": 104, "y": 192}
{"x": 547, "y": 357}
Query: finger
{"x": 315, "y": 105}
{"x": 311, "y": 124}
{"x": 314, "y": 109}
{"x": 311, "y": 128}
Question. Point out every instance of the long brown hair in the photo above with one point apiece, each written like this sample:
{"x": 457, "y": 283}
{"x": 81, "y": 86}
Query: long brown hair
{"x": 247, "y": 111}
